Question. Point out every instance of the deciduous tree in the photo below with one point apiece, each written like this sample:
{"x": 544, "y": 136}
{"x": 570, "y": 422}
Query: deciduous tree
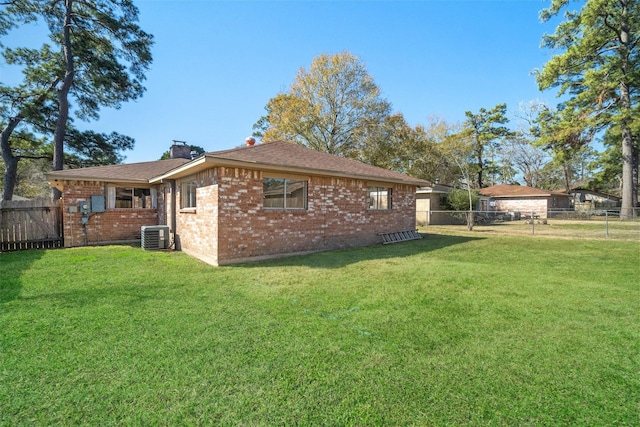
{"x": 461, "y": 150}
{"x": 525, "y": 158}
{"x": 427, "y": 154}
{"x": 330, "y": 107}
{"x": 383, "y": 144}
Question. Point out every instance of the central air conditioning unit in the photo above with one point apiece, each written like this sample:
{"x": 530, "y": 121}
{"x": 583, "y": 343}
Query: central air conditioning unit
{"x": 154, "y": 237}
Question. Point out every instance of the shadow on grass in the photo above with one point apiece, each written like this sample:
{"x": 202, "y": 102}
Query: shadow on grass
{"x": 12, "y": 264}
{"x": 340, "y": 258}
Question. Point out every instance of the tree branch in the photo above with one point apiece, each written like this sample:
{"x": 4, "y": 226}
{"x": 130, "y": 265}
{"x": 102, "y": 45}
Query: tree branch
{"x": 34, "y": 157}
{"x": 606, "y": 17}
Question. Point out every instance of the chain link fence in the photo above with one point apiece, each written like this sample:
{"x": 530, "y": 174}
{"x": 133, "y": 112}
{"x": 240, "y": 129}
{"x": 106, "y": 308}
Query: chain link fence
{"x": 592, "y": 224}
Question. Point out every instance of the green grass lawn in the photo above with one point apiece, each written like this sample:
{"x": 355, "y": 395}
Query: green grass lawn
{"x": 447, "y": 330}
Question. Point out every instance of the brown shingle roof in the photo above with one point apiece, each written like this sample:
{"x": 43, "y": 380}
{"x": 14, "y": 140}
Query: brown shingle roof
{"x": 508, "y": 190}
{"x": 132, "y": 172}
{"x": 273, "y": 156}
{"x": 288, "y": 157}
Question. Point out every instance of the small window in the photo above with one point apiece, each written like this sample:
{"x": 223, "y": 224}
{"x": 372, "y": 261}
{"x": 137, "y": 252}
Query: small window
{"x": 379, "y": 198}
{"x": 280, "y": 193}
{"x": 131, "y": 198}
{"x": 189, "y": 194}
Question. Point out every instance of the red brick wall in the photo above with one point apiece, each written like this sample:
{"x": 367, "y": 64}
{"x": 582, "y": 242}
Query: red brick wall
{"x": 230, "y": 224}
{"x": 197, "y": 229}
{"x": 113, "y": 225}
{"x": 235, "y": 227}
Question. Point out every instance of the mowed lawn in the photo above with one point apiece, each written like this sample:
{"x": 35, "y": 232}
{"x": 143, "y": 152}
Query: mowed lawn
{"x": 462, "y": 329}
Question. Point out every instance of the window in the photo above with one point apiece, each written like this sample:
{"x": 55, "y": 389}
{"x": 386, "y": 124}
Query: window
{"x": 189, "y": 194}
{"x": 131, "y": 198}
{"x": 379, "y": 198}
{"x": 280, "y": 193}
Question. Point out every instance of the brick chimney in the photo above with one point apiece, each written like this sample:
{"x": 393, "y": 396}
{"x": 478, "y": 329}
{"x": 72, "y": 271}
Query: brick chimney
{"x": 180, "y": 150}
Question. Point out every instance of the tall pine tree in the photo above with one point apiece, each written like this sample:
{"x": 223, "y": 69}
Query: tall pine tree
{"x": 598, "y": 73}
{"x": 96, "y": 57}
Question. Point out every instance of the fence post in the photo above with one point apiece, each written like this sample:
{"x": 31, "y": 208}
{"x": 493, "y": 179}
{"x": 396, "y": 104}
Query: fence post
{"x": 606, "y": 221}
{"x": 533, "y": 223}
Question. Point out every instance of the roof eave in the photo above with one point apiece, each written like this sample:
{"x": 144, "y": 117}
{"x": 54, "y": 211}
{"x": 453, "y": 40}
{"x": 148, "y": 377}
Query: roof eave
{"x": 93, "y": 178}
{"x": 183, "y": 170}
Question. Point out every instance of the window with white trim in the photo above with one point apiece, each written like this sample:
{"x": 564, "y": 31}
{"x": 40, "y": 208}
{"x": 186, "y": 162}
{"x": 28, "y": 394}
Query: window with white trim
{"x": 281, "y": 193}
{"x": 379, "y": 198}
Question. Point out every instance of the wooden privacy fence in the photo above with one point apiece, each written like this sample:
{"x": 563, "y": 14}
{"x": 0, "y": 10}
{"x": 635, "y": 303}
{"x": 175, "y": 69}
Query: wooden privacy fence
{"x": 30, "y": 224}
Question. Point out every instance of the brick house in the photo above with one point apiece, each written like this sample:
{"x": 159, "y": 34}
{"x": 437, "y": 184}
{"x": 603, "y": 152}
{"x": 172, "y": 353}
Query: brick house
{"x": 520, "y": 198}
{"x": 242, "y": 204}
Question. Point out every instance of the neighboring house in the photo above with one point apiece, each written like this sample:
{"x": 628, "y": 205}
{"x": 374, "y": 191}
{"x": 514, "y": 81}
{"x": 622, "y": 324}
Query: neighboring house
{"x": 242, "y": 204}
{"x": 584, "y": 199}
{"x": 428, "y": 200}
{"x": 519, "y": 198}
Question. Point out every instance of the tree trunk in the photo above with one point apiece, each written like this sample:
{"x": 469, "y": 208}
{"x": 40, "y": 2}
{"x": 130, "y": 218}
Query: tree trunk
{"x": 10, "y": 175}
{"x": 479, "y": 167}
{"x": 567, "y": 173}
{"x": 63, "y": 96}
{"x": 628, "y": 187}
{"x": 470, "y": 217}
{"x": 10, "y": 161}
{"x": 470, "y": 220}
{"x": 636, "y": 162}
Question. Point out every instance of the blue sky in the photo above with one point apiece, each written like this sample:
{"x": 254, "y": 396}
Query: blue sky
{"x": 217, "y": 63}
